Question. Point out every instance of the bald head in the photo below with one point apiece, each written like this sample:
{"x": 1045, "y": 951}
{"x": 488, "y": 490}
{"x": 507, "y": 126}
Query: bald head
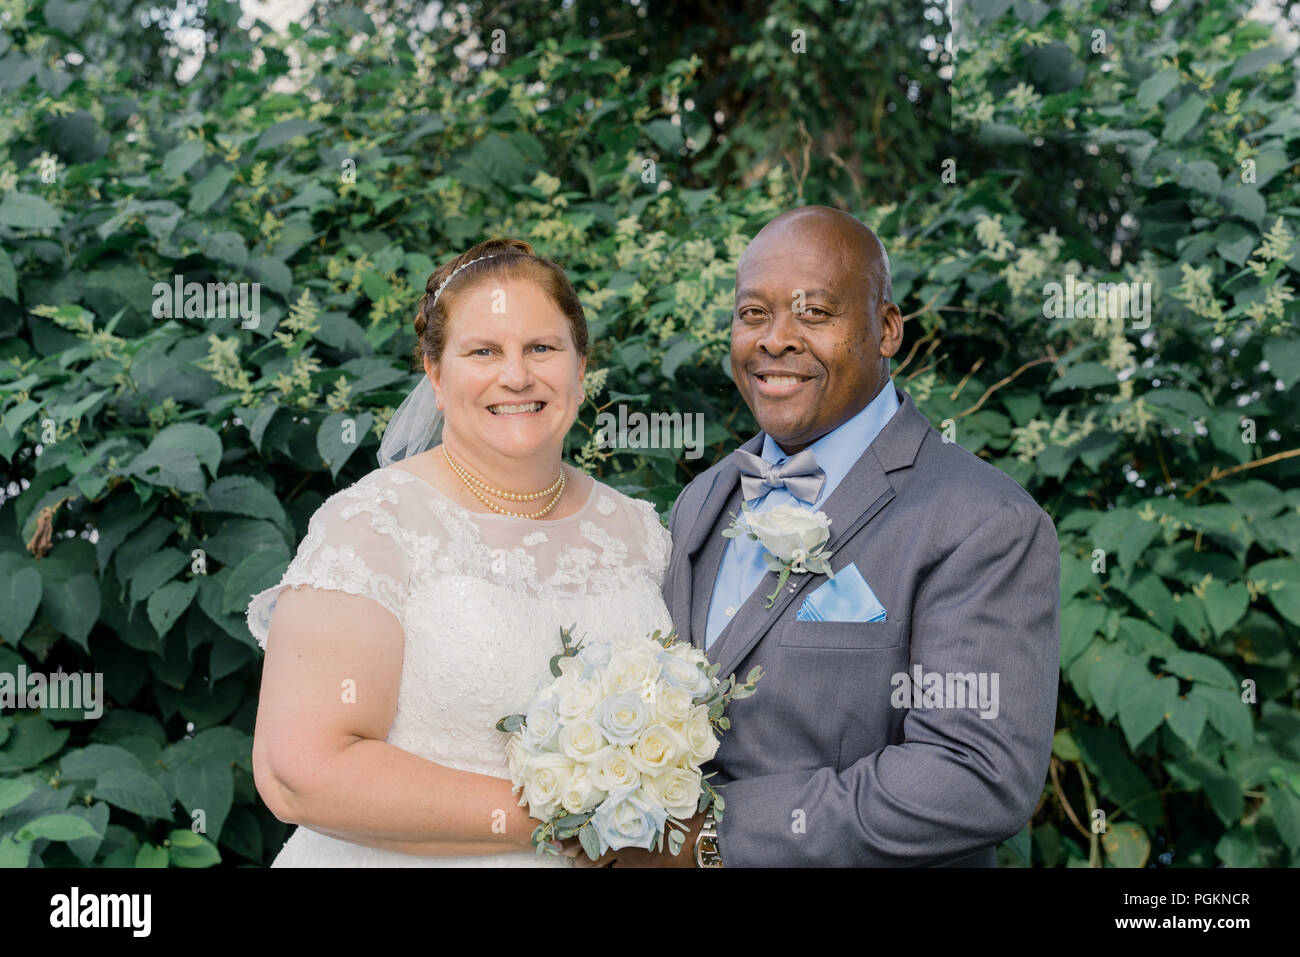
{"x": 860, "y": 251}
{"x": 814, "y": 326}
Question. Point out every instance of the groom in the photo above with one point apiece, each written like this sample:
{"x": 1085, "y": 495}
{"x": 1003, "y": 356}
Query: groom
{"x": 906, "y": 708}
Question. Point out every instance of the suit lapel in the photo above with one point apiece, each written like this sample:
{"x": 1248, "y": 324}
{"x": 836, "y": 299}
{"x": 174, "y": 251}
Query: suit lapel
{"x": 856, "y": 500}
{"x": 725, "y": 481}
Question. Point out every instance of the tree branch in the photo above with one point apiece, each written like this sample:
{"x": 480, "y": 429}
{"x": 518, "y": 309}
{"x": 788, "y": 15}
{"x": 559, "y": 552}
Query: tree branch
{"x": 1001, "y": 382}
{"x": 1215, "y": 474}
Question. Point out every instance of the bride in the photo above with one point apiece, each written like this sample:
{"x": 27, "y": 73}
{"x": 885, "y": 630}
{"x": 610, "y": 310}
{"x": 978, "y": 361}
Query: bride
{"x": 426, "y": 600}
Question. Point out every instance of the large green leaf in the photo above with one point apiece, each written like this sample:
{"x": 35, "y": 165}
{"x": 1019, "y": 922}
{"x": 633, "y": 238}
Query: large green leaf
{"x": 1286, "y": 813}
{"x": 58, "y": 827}
{"x": 1279, "y": 580}
{"x": 192, "y": 850}
{"x": 1187, "y": 719}
{"x": 1229, "y": 716}
{"x": 273, "y": 274}
{"x": 13, "y": 791}
{"x": 8, "y": 277}
{"x": 90, "y": 762}
{"x": 1107, "y": 665}
{"x": 1183, "y": 117}
{"x": 1085, "y": 375}
{"x": 1156, "y": 87}
{"x": 20, "y": 596}
{"x": 72, "y": 605}
{"x": 151, "y": 856}
{"x": 1201, "y": 668}
{"x": 1225, "y": 604}
{"x": 286, "y": 130}
{"x": 1145, "y": 701}
{"x": 133, "y": 790}
{"x": 1143, "y": 638}
{"x": 210, "y": 189}
{"x": 339, "y": 436}
{"x": 1152, "y": 599}
{"x": 14, "y": 854}
{"x": 1223, "y": 792}
{"x": 1134, "y": 541}
{"x": 169, "y": 602}
{"x": 155, "y": 571}
{"x": 498, "y": 156}
{"x": 1283, "y": 357}
{"x": 25, "y": 211}
{"x": 257, "y": 572}
{"x": 235, "y": 540}
{"x": 1126, "y": 845}
{"x": 174, "y": 456}
{"x": 96, "y": 815}
{"x": 31, "y": 741}
{"x": 1080, "y": 620}
{"x": 244, "y": 495}
{"x": 205, "y": 784}
{"x": 1255, "y": 60}
{"x": 180, "y": 158}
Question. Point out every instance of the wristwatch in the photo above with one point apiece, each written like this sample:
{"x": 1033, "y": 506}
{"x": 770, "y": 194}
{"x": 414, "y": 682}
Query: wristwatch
{"x": 707, "y": 852}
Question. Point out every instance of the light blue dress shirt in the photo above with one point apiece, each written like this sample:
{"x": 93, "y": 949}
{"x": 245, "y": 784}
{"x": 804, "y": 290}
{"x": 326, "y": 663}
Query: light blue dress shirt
{"x": 836, "y": 452}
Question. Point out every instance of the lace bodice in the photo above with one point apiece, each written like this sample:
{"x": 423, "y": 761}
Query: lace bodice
{"x": 481, "y": 599}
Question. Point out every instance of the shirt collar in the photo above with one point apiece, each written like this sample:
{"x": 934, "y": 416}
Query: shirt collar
{"x": 838, "y": 450}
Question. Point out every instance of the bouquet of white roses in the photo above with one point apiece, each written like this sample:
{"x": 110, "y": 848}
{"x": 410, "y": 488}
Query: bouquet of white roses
{"x": 611, "y": 748}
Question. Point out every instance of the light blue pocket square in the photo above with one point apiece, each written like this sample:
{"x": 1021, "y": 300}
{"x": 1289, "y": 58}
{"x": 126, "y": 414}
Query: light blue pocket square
{"x": 846, "y": 597}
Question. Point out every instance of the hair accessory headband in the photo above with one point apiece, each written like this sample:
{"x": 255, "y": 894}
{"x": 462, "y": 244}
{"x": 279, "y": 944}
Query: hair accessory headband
{"x": 437, "y": 292}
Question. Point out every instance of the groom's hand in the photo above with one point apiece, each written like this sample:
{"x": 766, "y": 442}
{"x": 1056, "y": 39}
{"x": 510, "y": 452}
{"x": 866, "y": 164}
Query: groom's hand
{"x": 637, "y": 857}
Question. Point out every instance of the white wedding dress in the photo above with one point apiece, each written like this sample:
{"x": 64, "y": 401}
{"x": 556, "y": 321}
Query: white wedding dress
{"x": 481, "y": 598}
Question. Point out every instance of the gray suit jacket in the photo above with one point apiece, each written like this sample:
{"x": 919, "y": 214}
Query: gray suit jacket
{"x": 819, "y": 768}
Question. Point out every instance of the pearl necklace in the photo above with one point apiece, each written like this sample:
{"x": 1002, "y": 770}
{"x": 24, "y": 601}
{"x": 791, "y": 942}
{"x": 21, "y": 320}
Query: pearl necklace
{"x": 470, "y": 482}
{"x": 501, "y": 493}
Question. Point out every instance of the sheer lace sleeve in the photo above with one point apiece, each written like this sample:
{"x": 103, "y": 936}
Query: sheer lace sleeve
{"x": 658, "y": 542}
{"x": 354, "y": 544}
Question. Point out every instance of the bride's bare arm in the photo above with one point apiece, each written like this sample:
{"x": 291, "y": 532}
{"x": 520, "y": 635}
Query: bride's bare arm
{"x": 328, "y": 698}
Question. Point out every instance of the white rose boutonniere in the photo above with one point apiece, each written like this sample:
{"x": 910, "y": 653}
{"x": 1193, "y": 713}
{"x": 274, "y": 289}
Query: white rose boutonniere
{"x": 793, "y": 538}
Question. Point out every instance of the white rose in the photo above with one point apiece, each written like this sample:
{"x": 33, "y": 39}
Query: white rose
{"x": 628, "y": 819}
{"x": 676, "y": 790}
{"x": 516, "y": 755}
{"x": 659, "y": 748}
{"x": 541, "y": 726}
{"x": 594, "y": 656}
{"x": 577, "y": 700}
{"x": 673, "y": 704}
{"x": 701, "y": 741}
{"x": 580, "y": 794}
{"x": 614, "y": 770}
{"x": 681, "y": 672}
{"x": 680, "y": 649}
{"x": 545, "y": 776}
{"x": 582, "y": 740}
{"x": 628, "y": 642}
{"x": 630, "y": 668}
{"x": 784, "y": 529}
{"x": 570, "y": 668}
{"x": 622, "y": 717}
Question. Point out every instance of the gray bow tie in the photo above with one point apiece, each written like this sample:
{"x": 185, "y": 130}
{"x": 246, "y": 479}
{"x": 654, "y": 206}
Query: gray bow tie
{"x": 800, "y": 475}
